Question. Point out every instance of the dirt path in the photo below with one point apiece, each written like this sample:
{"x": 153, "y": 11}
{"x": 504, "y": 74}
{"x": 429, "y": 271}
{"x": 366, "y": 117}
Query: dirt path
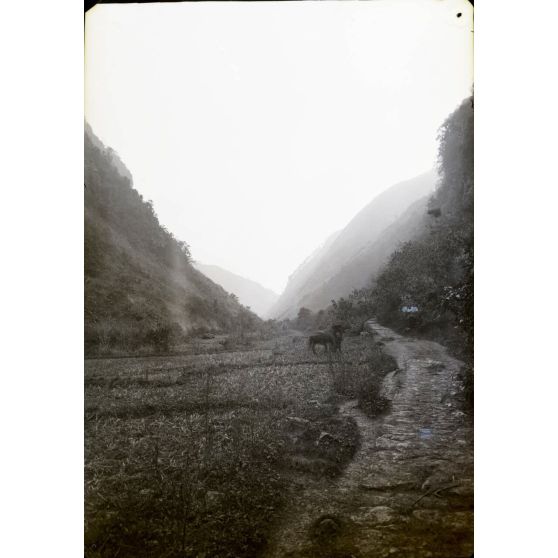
{"x": 409, "y": 490}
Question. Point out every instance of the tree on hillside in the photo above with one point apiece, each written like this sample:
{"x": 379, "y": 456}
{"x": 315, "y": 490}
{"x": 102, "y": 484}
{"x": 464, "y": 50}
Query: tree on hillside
{"x": 246, "y": 322}
{"x": 343, "y": 309}
{"x": 435, "y": 271}
{"x": 456, "y": 163}
{"x": 139, "y": 283}
{"x": 304, "y": 318}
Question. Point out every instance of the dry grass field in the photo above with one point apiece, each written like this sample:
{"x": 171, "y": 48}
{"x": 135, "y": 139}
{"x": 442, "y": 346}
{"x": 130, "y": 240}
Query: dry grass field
{"x": 196, "y": 454}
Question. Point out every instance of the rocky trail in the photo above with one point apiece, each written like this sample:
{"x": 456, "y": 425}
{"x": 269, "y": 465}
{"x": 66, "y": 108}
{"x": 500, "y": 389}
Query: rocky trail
{"x": 408, "y": 492}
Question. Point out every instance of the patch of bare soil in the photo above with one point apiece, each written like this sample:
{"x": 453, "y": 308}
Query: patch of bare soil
{"x": 408, "y": 492}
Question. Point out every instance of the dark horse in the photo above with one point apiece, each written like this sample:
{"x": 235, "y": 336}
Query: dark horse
{"x": 331, "y": 341}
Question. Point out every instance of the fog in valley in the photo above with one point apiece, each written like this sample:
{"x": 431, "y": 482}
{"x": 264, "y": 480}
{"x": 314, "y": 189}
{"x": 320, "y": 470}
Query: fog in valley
{"x": 258, "y": 130}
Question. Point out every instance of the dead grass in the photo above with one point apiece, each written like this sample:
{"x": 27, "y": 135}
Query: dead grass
{"x": 194, "y": 455}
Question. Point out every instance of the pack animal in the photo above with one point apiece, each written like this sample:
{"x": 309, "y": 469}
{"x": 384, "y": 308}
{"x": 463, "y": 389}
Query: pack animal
{"x": 331, "y": 341}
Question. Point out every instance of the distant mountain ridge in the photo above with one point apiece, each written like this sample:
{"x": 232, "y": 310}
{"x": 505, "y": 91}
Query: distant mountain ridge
{"x": 369, "y": 261}
{"x": 299, "y": 278}
{"x": 250, "y": 293}
{"x": 349, "y": 257}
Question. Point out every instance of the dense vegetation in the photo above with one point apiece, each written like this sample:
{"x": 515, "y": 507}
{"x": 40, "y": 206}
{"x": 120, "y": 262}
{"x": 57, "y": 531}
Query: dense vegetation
{"x": 351, "y": 256}
{"x": 141, "y": 291}
{"x": 433, "y": 272}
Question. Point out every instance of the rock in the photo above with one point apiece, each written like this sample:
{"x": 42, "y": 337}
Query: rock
{"x": 428, "y": 516}
{"x": 298, "y": 421}
{"x": 390, "y": 385}
{"x": 464, "y": 490}
{"x": 458, "y": 520}
{"x": 327, "y": 439}
{"x": 326, "y": 528}
{"x": 426, "y": 484}
{"x": 381, "y": 514}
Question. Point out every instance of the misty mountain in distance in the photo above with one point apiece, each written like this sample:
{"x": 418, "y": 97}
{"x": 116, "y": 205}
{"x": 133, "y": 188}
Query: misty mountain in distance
{"x": 300, "y": 277}
{"x": 249, "y": 293}
{"x": 349, "y": 258}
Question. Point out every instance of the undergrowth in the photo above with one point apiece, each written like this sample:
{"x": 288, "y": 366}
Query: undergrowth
{"x": 363, "y": 381}
{"x": 188, "y": 458}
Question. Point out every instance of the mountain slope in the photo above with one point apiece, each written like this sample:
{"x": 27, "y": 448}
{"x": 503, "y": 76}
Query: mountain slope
{"x": 300, "y": 278}
{"x": 364, "y": 266}
{"x": 434, "y": 271}
{"x": 140, "y": 288}
{"x": 350, "y": 256}
{"x": 249, "y": 293}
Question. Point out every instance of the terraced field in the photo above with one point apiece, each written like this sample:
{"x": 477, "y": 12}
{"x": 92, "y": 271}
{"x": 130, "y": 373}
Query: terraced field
{"x": 269, "y": 450}
{"x": 196, "y": 454}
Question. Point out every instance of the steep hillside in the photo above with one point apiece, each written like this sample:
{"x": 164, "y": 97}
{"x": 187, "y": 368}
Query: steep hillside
{"x": 434, "y": 272}
{"x": 141, "y": 290}
{"x": 365, "y": 265}
{"x": 249, "y": 293}
{"x": 300, "y": 278}
{"x": 349, "y": 257}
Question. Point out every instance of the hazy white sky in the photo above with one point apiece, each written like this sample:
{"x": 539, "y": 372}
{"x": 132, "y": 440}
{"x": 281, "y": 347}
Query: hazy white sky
{"x": 258, "y": 129}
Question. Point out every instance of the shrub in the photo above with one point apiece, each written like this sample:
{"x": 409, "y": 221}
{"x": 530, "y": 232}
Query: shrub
{"x": 364, "y": 382}
{"x": 160, "y": 338}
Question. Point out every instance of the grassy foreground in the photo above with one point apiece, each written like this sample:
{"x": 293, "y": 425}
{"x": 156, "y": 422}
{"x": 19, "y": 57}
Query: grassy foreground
{"x": 194, "y": 455}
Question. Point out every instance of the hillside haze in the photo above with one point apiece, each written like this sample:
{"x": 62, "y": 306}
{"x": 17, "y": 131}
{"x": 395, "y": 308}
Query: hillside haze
{"x": 141, "y": 291}
{"x": 349, "y": 258}
{"x": 249, "y": 293}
